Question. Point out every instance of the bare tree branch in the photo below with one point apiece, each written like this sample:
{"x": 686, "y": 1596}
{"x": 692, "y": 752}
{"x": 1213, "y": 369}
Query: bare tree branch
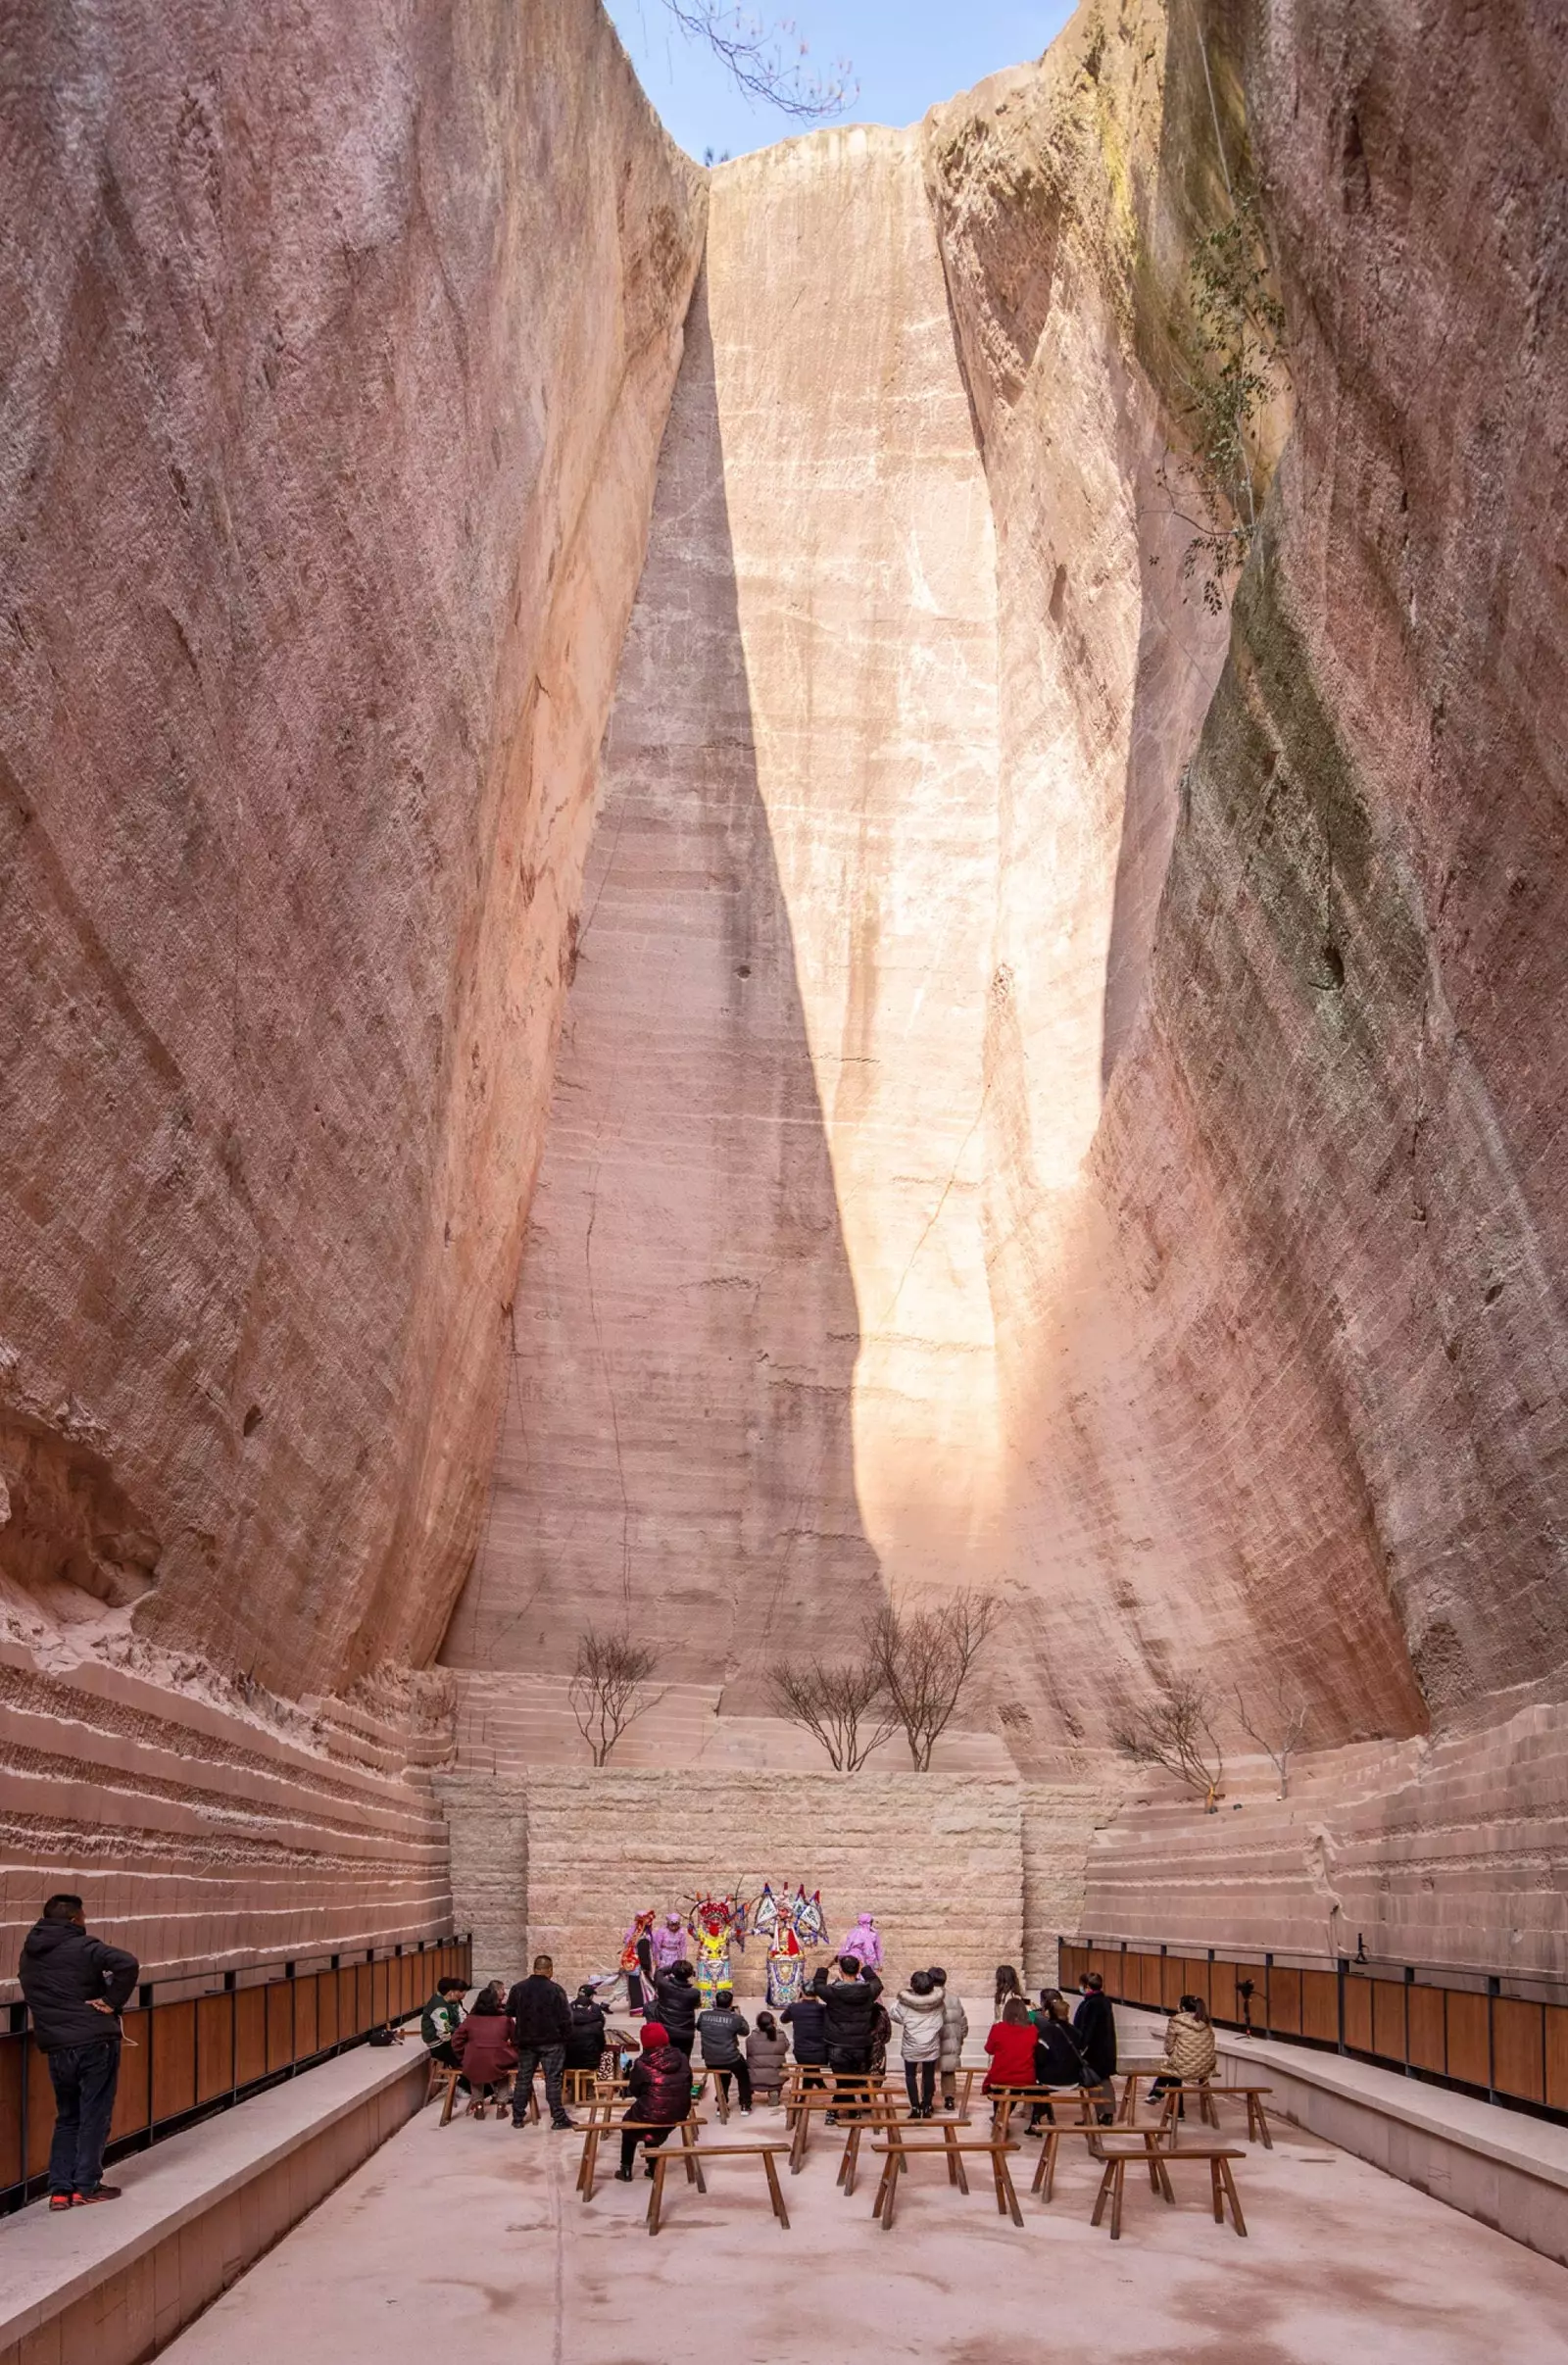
{"x": 925, "y": 1659}
{"x": 769, "y": 61}
{"x": 1177, "y": 1732}
{"x": 843, "y": 1706}
{"x": 1283, "y": 1717}
{"x": 608, "y": 1692}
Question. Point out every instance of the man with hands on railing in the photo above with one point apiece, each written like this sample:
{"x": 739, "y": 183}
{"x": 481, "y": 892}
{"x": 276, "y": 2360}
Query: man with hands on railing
{"x": 75, "y": 1988}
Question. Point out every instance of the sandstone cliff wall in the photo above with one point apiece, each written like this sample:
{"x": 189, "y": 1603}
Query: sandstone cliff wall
{"x": 340, "y": 345}
{"x": 1174, "y": 1180}
{"x": 337, "y": 346}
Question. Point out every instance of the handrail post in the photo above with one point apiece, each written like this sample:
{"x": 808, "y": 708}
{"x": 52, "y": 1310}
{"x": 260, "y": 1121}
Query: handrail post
{"x": 1493, "y": 1991}
{"x": 1409, "y": 1982}
{"x": 1342, "y": 1971}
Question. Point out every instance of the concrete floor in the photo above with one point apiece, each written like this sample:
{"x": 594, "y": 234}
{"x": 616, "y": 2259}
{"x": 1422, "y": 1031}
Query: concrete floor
{"x": 471, "y": 2242}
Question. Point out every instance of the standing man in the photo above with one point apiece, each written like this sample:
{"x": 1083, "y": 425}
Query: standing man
{"x": 1093, "y": 2024}
{"x": 541, "y": 2020}
{"x": 850, "y": 2015}
{"x": 74, "y": 1988}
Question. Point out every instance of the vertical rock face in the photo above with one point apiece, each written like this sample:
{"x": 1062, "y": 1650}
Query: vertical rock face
{"x": 340, "y": 345}
{"x": 754, "y": 1242}
{"x": 335, "y": 348}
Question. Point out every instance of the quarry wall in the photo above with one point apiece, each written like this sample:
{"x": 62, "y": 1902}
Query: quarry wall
{"x": 336, "y": 354}
{"x": 1057, "y": 1086}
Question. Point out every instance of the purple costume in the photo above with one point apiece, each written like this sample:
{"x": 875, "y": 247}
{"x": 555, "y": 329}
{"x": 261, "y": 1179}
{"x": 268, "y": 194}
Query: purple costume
{"x": 864, "y": 1943}
{"x": 668, "y": 1944}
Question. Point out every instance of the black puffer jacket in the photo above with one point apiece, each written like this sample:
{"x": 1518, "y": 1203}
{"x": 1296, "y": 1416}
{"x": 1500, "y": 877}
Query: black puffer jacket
{"x": 679, "y": 2000}
{"x": 539, "y": 2012}
{"x": 1058, "y": 2059}
{"x": 585, "y": 2046}
{"x": 806, "y": 2020}
{"x": 661, "y": 2084}
{"x": 61, "y": 1969}
{"x": 1095, "y": 2026}
{"x": 850, "y": 2010}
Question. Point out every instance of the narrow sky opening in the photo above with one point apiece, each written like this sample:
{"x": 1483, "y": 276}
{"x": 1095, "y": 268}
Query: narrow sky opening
{"x": 905, "y": 57}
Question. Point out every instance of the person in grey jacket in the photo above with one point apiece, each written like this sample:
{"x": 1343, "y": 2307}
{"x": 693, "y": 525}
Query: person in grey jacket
{"x": 766, "y": 2051}
{"x": 954, "y": 2029}
{"x": 918, "y": 2015}
{"x": 720, "y": 2028}
{"x": 74, "y": 1988}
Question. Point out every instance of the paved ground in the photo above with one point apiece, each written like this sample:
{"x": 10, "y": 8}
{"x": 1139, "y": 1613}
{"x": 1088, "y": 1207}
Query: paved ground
{"x": 470, "y": 2242}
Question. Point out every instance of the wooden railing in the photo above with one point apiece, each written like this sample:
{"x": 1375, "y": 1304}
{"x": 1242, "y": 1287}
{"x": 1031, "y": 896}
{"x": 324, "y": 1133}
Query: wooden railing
{"x": 207, "y": 2046}
{"x": 1505, "y": 2037}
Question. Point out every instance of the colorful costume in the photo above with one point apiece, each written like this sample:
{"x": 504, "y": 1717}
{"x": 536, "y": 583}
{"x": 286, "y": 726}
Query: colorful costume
{"x": 715, "y": 1921}
{"x": 864, "y": 1943}
{"x": 668, "y": 1942}
{"x": 786, "y": 1963}
{"x": 636, "y": 1959}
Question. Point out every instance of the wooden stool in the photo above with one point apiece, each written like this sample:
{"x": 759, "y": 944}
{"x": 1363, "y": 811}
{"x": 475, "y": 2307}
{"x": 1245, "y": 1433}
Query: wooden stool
{"x": 701, "y": 2152}
{"x": 1222, "y": 2184}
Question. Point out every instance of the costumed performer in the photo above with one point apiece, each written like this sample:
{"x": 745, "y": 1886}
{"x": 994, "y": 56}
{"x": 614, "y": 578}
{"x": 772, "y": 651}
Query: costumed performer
{"x": 864, "y": 1943}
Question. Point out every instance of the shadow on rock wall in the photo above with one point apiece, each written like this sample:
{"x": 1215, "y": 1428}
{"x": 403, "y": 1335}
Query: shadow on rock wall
{"x": 677, "y": 1449}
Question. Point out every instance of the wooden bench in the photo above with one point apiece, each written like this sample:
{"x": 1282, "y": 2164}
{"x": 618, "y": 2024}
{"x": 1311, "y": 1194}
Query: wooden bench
{"x": 1205, "y": 2090}
{"x": 890, "y": 2121}
{"x": 699, "y": 2154}
{"x": 900, "y": 2149}
{"x": 597, "y": 2129}
{"x": 803, "y": 2107}
{"x": 440, "y": 2073}
{"x": 1008, "y": 2099}
{"x": 1160, "y": 2162}
{"x": 1158, "y": 2135}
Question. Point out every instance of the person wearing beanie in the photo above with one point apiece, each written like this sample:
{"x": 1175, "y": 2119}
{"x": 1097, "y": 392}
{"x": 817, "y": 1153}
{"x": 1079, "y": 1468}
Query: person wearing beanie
{"x": 661, "y": 2088}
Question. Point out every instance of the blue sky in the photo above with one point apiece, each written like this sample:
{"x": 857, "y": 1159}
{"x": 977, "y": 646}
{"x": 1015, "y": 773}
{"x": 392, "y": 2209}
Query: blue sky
{"x": 905, "y": 57}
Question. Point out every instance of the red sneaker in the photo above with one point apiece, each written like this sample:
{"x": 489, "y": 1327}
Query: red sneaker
{"x": 84, "y": 2200}
{"x": 59, "y": 2200}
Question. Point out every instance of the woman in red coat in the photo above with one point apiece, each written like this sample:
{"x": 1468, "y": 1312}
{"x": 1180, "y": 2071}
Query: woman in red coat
{"x": 1011, "y": 2046}
{"x": 486, "y": 2046}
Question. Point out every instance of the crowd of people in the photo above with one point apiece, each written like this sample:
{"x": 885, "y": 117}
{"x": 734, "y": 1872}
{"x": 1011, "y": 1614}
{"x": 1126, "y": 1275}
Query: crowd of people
{"x": 840, "y": 2029}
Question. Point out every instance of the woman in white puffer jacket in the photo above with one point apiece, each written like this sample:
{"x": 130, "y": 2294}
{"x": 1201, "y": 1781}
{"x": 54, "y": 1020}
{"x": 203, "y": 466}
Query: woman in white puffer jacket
{"x": 918, "y": 2017}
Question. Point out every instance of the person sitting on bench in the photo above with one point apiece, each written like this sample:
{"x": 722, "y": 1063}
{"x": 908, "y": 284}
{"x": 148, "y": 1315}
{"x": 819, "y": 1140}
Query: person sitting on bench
{"x": 1189, "y": 2048}
{"x": 438, "y": 2022}
{"x": 484, "y": 2044}
{"x": 1057, "y": 2058}
{"x": 1011, "y": 2046}
{"x": 661, "y": 2087}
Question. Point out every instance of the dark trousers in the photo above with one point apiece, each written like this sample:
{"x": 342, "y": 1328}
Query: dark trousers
{"x": 812, "y": 2073}
{"x": 920, "y": 2077}
{"x": 552, "y": 2059}
{"x": 634, "y": 1991}
{"x": 683, "y": 2043}
{"x": 85, "y": 2078}
{"x": 650, "y": 2141}
{"x": 743, "y": 2079}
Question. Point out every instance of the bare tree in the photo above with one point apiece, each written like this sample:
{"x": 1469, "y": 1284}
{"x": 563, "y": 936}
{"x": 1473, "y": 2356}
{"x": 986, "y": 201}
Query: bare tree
{"x": 1177, "y": 1732}
{"x": 768, "y": 62}
{"x": 609, "y": 1690}
{"x": 844, "y": 1708}
{"x": 925, "y": 1659}
{"x": 1278, "y": 1725}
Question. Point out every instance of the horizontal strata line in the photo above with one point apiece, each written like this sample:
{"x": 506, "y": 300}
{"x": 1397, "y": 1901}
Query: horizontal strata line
{"x": 76, "y": 1842}
{"x": 62, "y": 1704}
{"x": 117, "y": 1782}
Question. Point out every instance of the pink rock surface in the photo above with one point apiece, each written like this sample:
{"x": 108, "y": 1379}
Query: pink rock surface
{"x": 338, "y": 349}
